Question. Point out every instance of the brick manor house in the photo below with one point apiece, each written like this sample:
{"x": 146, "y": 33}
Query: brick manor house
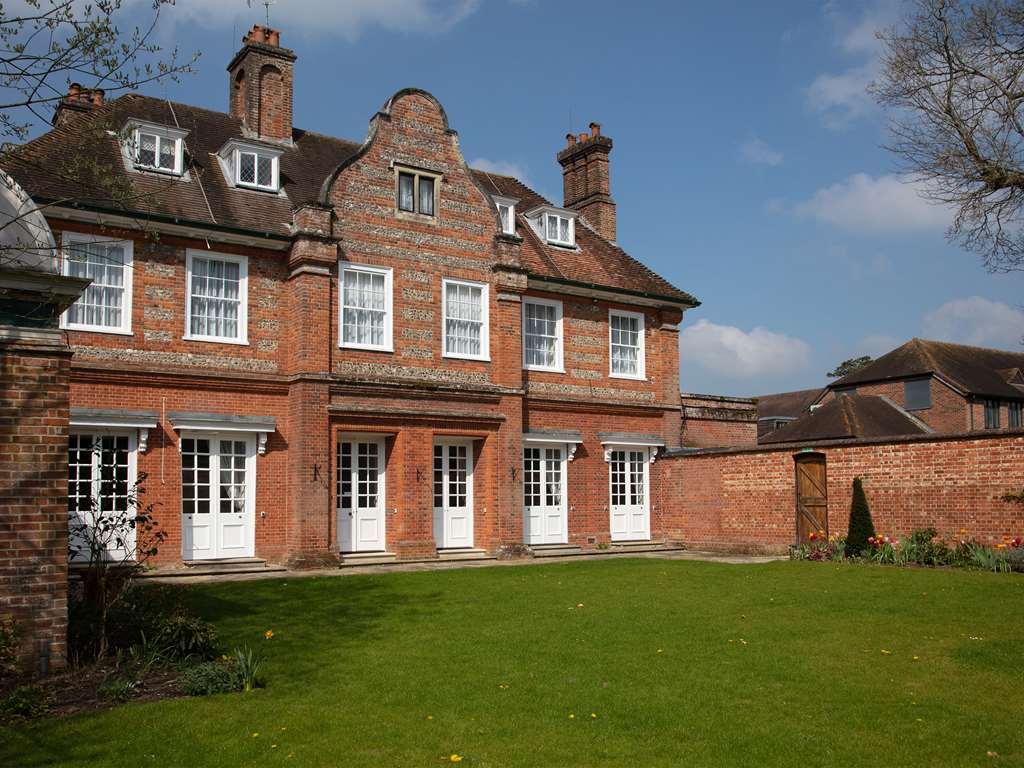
{"x": 312, "y": 347}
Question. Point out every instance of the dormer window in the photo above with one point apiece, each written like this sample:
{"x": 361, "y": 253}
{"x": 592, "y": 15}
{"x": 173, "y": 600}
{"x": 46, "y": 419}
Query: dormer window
{"x": 156, "y": 147}
{"x": 256, "y": 170}
{"x": 252, "y": 167}
{"x": 556, "y": 226}
{"x": 507, "y": 212}
{"x": 559, "y": 230}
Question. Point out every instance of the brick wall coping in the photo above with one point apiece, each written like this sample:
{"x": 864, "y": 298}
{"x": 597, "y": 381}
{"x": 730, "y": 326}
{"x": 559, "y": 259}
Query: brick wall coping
{"x": 719, "y": 398}
{"x": 808, "y": 447}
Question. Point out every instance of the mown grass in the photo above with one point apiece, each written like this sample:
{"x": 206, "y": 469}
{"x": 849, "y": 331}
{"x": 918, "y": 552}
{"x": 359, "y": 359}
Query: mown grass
{"x": 601, "y": 663}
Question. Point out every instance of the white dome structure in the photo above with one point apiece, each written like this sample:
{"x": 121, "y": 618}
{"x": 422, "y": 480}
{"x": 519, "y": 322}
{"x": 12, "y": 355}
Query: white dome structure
{"x": 26, "y": 241}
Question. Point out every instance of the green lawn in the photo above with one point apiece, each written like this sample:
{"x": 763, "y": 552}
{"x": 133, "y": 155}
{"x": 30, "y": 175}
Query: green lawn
{"x": 683, "y": 663}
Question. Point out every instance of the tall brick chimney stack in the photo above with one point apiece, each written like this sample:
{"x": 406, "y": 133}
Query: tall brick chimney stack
{"x": 260, "y": 80}
{"x": 586, "y": 180}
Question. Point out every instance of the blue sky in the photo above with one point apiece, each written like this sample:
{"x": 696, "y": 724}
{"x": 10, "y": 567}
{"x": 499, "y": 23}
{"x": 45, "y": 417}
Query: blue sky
{"x": 747, "y": 167}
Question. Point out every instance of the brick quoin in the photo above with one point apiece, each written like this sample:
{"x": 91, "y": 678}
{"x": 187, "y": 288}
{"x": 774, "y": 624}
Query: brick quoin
{"x": 745, "y": 499}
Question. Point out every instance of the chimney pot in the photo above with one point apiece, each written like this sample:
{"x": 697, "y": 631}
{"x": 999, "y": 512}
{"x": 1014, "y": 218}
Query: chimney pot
{"x": 73, "y": 90}
{"x": 570, "y": 139}
{"x": 583, "y": 137}
{"x": 97, "y": 97}
{"x": 275, "y": 38}
{"x": 595, "y": 129}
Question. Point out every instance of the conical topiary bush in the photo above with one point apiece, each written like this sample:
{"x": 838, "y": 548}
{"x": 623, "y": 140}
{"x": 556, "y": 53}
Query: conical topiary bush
{"x": 861, "y": 526}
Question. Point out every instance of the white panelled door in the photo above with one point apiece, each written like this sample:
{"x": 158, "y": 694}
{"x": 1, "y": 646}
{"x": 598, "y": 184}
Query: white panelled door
{"x": 544, "y": 495}
{"x": 453, "y": 493}
{"x": 630, "y": 494}
{"x": 218, "y": 491}
{"x": 361, "y": 494}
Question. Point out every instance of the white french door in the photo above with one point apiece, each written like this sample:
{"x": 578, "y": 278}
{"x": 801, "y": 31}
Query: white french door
{"x": 361, "y": 494}
{"x": 453, "y": 493}
{"x": 102, "y": 499}
{"x": 544, "y": 495}
{"x": 630, "y": 494}
{"x": 218, "y": 491}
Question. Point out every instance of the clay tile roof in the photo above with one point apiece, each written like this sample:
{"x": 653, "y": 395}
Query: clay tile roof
{"x": 848, "y": 416}
{"x": 595, "y": 262}
{"x": 974, "y": 370}
{"x": 205, "y": 198}
{"x": 787, "y": 404}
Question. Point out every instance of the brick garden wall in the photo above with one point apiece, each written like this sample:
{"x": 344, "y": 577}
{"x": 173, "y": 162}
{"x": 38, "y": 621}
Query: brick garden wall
{"x": 745, "y": 499}
{"x": 33, "y": 490}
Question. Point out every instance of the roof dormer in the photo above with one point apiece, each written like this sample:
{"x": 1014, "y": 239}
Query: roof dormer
{"x": 154, "y": 147}
{"x": 507, "y": 211}
{"x": 251, "y": 166}
{"x": 555, "y": 226}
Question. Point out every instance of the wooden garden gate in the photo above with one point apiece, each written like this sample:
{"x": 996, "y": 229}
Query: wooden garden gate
{"x": 811, "y": 496}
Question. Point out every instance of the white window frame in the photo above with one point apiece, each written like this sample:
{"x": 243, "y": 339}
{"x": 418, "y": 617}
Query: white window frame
{"x": 125, "y": 329}
{"x": 510, "y": 203}
{"x": 559, "y": 366}
{"x": 641, "y": 360}
{"x": 571, "y": 242}
{"x": 243, "y": 297}
{"x": 161, "y": 137}
{"x": 257, "y": 155}
{"x": 388, "y": 272}
{"x": 485, "y": 327}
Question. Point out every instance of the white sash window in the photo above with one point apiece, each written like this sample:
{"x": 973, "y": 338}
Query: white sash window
{"x": 542, "y": 335}
{"x": 626, "y": 337}
{"x": 366, "y": 297}
{"x": 216, "y": 299}
{"x": 106, "y": 305}
{"x": 466, "y": 328}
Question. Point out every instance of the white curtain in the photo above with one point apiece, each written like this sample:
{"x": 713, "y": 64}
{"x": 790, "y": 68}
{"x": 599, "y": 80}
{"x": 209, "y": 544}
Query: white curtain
{"x": 101, "y": 303}
{"x": 364, "y": 308}
{"x": 464, "y": 319}
{"x": 215, "y": 292}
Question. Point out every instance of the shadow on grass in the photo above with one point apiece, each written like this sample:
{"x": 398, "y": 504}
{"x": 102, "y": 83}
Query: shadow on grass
{"x": 313, "y": 620}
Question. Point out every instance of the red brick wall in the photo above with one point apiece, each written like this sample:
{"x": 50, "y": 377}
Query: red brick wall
{"x": 746, "y": 499}
{"x": 714, "y": 422}
{"x": 33, "y": 492}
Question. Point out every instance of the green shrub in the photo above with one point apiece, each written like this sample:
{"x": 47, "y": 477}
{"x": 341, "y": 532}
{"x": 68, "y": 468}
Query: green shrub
{"x": 10, "y": 641}
{"x": 117, "y": 689}
{"x": 248, "y": 665}
{"x": 184, "y": 636}
{"x": 210, "y": 677}
{"x": 986, "y": 558}
{"x": 922, "y": 548}
{"x": 1015, "y": 559}
{"x": 861, "y": 527}
{"x": 24, "y": 702}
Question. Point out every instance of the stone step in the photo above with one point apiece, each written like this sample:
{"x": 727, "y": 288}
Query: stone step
{"x": 230, "y": 565}
{"x": 643, "y": 546}
{"x": 463, "y": 553}
{"x": 350, "y": 559}
{"x": 556, "y": 550}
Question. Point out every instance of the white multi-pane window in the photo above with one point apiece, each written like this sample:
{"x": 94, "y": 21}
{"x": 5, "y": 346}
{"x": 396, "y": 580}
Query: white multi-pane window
{"x": 365, "y": 321}
{"x": 542, "y": 335}
{"x": 157, "y": 152}
{"x": 507, "y": 213}
{"x": 216, "y": 296}
{"x": 626, "y": 344}
{"x": 465, "y": 311}
{"x": 256, "y": 170}
{"x": 559, "y": 230}
{"x": 101, "y": 499}
{"x": 106, "y": 305}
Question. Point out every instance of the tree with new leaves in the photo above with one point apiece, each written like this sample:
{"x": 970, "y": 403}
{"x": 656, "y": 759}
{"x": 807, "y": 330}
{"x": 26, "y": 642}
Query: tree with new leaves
{"x": 952, "y": 75}
{"x": 849, "y": 366}
{"x": 861, "y": 526}
{"x": 45, "y": 46}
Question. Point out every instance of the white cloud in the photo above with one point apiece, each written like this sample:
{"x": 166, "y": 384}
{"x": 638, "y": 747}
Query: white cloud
{"x": 755, "y": 150}
{"x": 841, "y": 97}
{"x": 347, "y": 19}
{"x": 735, "y": 353}
{"x": 501, "y": 167}
{"x": 864, "y": 203}
{"x": 976, "y": 320}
